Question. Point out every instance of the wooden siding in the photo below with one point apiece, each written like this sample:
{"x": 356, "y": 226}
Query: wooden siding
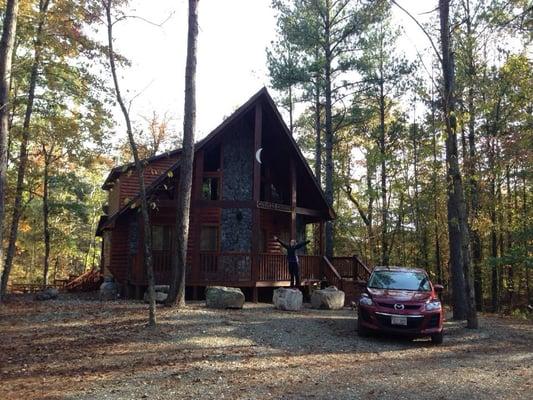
{"x": 129, "y": 182}
{"x": 274, "y": 224}
{"x": 118, "y": 264}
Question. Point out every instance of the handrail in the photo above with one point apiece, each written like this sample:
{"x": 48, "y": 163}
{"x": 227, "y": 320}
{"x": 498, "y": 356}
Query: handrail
{"x": 362, "y": 264}
{"x": 337, "y": 278}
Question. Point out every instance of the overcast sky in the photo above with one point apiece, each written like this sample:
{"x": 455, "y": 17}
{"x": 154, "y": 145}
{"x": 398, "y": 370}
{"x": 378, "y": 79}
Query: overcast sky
{"x": 231, "y": 54}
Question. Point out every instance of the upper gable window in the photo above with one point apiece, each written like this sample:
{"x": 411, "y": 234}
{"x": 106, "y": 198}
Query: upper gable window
{"x": 211, "y": 188}
{"x": 212, "y": 159}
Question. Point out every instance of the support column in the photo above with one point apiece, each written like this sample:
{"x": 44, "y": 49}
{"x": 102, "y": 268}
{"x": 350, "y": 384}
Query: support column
{"x": 256, "y": 216}
{"x": 293, "y": 199}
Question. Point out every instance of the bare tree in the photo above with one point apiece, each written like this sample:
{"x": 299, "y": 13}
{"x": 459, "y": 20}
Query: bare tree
{"x": 464, "y": 304}
{"x": 179, "y": 256}
{"x": 23, "y": 153}
{"x": 148, "y": 260}
{"x": 458, "y": 232}
{"x": 7, "y": 44}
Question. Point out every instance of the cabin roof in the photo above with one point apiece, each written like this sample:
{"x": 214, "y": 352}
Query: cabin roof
{"x": 262, "y": 94}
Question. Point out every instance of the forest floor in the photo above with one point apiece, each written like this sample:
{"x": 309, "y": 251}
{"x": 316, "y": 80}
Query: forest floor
{"x": 77, "y": 348}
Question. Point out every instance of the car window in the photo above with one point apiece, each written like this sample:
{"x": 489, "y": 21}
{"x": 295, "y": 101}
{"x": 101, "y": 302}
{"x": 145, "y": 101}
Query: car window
{"x": 400, "y": 280}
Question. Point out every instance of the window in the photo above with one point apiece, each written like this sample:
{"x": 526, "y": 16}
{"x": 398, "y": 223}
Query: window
{"x": 209, "y": 238}
{"x": 161, "y": 237}
{"x": 212, "y": 159}
{"x": 400, "y": 280}
{"x": 210, "y": 188}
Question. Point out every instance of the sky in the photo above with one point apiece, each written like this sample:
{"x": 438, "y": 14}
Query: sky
{"x": 232, "y": 40}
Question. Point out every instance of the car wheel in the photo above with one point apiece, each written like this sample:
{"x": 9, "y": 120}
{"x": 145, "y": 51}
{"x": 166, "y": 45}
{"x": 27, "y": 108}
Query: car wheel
{"x": 437, "y": 338}
{"x": 361, "y": 330}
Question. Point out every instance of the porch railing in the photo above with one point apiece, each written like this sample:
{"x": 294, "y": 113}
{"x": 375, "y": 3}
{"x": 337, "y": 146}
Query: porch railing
{"x": 236, "y": 267}
{"x": 225, "y": 267}
{"x": 351, "y": 268}
{"x": 247, "y": 267}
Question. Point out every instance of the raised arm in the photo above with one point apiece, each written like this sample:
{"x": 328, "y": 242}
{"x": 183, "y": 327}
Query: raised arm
{"x": 301, "y": 244}
{"x": 277, "y": 239}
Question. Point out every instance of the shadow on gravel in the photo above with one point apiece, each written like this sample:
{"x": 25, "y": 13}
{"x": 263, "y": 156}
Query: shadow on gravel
{"x": 73, "y": 340}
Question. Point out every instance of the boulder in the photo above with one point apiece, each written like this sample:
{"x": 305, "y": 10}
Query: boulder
{"x": 47, "y": 294}
{"x": 287, "y": 299}
{"x": 330, "y": 298}
{"x": 162, "y": 288}
{"x": 108, "y": 289}
{"x": 160, "y": 297}
{"x": 223, "y": 297}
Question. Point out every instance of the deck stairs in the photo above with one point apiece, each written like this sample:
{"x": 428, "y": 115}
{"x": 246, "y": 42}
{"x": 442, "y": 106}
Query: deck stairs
{"x": 349, "y": 274}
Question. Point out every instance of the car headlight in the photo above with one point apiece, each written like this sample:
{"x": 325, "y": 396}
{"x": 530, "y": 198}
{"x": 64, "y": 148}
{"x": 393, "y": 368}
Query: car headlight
{"x": 433, "y": 305}
{"x": 365, "y": 300}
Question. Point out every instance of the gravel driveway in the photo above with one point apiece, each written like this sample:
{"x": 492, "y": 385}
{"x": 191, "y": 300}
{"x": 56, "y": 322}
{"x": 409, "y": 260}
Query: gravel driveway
{"x": 82, "y": 349}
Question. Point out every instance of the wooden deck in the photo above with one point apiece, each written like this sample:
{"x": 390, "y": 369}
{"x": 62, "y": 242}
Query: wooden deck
{"x": 259, "y": 270}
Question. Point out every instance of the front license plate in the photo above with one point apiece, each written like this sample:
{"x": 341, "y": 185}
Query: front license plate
{"x": 399, "y": 321}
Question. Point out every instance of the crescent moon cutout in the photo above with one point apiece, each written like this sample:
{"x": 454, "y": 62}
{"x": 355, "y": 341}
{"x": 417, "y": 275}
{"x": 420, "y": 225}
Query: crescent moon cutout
{"x": 258, "y": 155}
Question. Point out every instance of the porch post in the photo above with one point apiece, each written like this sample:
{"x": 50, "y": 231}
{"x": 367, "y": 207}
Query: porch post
{"x": 321, "y": 238}
{"x": 321, "y": 246}
{"x": 293, "y": 199}
{"x": 256, "y": 216}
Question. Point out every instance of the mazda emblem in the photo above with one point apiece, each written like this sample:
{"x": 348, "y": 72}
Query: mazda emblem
{"x": 399, "y": 306}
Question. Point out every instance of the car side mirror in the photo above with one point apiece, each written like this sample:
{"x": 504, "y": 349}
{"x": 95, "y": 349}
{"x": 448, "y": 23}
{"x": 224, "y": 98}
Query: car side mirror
{"x": 438, "y": 288}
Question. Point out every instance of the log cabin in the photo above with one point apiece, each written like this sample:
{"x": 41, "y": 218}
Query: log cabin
{"x": 250, "y": 182}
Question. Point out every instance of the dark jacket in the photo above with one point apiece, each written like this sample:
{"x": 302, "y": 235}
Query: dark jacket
{"x": 291, "y": 250}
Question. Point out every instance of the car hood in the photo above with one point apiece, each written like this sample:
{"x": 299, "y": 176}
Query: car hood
{"x": 399, "y": 295}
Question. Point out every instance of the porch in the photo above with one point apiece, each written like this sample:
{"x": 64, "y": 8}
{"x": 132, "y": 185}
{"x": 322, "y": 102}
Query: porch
{"x": 232, "y": 269}
{"x": 260, "y": 270}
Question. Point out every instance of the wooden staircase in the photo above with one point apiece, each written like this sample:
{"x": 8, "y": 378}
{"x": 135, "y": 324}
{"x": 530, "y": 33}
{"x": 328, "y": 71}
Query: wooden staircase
{"x": 348, "y": 274}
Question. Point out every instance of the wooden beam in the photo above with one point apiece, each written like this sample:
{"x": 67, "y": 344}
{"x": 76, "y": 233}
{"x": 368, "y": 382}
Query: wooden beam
{"x": 225, "y": 204}
{"x": 310, "y": 212}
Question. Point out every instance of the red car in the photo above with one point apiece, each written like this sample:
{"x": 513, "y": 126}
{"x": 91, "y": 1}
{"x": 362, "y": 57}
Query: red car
{"x": 403, "y": 301}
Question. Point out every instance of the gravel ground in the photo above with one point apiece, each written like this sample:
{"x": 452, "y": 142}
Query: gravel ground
{"x": 75, "y": 348}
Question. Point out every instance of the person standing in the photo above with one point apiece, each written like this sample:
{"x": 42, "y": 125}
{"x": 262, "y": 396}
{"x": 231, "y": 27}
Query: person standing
{"x": 292, "y": 259}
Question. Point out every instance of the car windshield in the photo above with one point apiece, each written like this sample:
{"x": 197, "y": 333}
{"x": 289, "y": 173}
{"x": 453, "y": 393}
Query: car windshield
{"x": 400, "y": 280}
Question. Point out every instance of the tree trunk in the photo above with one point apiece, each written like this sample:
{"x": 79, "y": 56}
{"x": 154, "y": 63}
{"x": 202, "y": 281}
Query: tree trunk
{"x": 148, "y": 260}
{"x": 434, "y": 177}
{"x": 509, "y": 238}
{"x": 493, "y": 245}
{"x": 7, "y": 44}
{"x": 382, "y": 142}
{"x": 46, "y": 212}
{"x": 384, "y": 207}
{"x": 464, "y": 297}
{"x": 291, "y": 111}
{"x": 370, "y": 169}
{"x": 23, "y": 155}
{"x": 471, "y": 164}
{"x": 328, "y": 132}
{"x": 179, "y": 256}
{"x": 318, "y": 139}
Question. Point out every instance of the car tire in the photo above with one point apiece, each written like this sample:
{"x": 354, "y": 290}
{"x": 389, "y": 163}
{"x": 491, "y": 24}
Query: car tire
{"x": 361, "y": 330}
{"x": 437, "y": 338}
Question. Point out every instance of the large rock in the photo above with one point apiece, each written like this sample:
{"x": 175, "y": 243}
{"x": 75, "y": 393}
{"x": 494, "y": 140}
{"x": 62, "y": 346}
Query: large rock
{"x": 287, "y": 299}
{"x": 223, "y": 297}
{"x": 47, "y": 294}
{"x": 330, "y": 298}
{"x": 108, "y": 289}
{"x": 160, "y": 297}
{"x": 162, "y": 288}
